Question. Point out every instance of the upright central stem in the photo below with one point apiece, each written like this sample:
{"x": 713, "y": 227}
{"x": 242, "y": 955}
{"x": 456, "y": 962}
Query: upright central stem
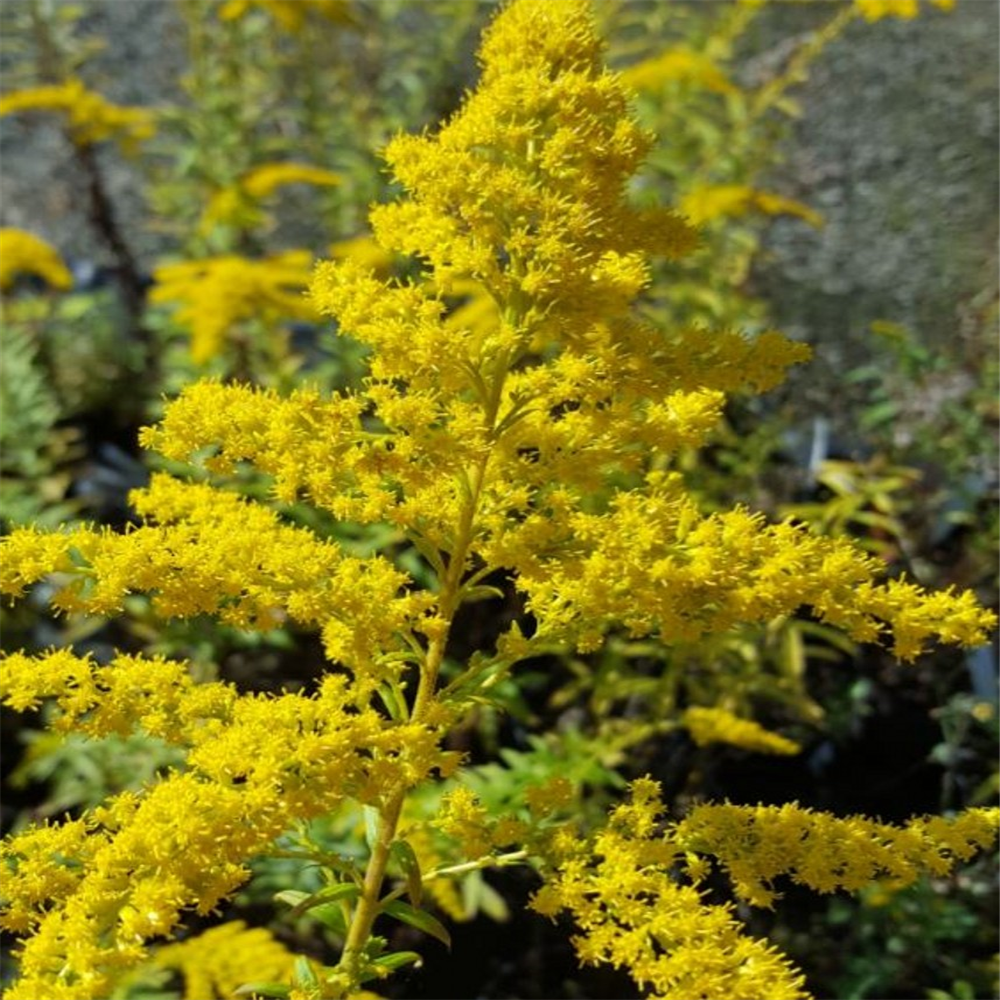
{"x": 448, "y": 602}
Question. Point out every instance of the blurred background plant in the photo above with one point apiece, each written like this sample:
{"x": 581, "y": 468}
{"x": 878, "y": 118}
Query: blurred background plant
{"x": 246, "y": 146}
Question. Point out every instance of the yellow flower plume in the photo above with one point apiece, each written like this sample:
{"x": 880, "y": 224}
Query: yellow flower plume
{"x": 89, "y": 116}
{"x": 23, "y": 253}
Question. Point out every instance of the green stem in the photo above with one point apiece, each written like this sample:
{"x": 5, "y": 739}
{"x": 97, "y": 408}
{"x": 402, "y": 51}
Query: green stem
{"x": 449, "y": 599}
{"x": 493, "y": 861}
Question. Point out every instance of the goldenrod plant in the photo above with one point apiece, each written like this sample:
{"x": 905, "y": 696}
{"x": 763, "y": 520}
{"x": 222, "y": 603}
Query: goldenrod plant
{"x": 532, "y": 451}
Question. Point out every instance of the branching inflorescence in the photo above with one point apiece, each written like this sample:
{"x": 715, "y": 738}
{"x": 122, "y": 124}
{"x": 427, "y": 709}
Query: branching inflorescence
{"x": 535, "y": 446}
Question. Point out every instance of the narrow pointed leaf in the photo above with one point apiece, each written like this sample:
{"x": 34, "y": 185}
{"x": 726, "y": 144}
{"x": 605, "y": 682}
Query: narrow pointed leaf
{"x": 420, "y": 919}
{"x": 397, "y": 959}
{"x": 291, "y": 897}
{"x": 330, "y": 915}
{"x": 305, "y": 975}
{"x": 402, "y": 854}
{"x": 279, "y": 990}
{"x": 328, "y": 894}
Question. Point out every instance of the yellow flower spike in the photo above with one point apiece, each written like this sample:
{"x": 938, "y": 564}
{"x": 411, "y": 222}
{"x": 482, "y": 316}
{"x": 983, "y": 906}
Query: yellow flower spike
{"x": 716, "y": 725}
{"x": 237, "y": 205}
{"x": 905, "y": 10}
{"x": 679, "y": 64}
{"x": 220, "y": 960}
{"x": 185, "y": 840}
{"x": 291, "y": 14}
{"x": 758, "y": 844}
{"x": 268, "y": 177}
{"x": 89, "y": 117}
{"x": 23, "y": 253}
{"x": 622, "y": 891}
{"x": 707, "y": 202}
{"x": 212, "y": 295}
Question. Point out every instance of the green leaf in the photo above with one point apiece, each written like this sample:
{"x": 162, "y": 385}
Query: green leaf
{"x": 292, "y": 897}
{"x": 392, "y": 698}
{"x": 417, "y": 918}
{"x": 430, "y": 552}
{"x": 480, "y": 593}
{"x": 331, "y": 915}
{"x": 328, "y": 894}
{"x": 397, "y": 959}
{"x": 305, "y": 975}
{"x": 480, "y": 897}
{"x": 264, "y": 990}
{"x": 402, "y": 853}
{"x": 879, "y": 415}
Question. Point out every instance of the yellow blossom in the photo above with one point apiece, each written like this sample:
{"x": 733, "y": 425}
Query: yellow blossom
{"x": 632, "y": 912}
{"x": 89, "y": 117}
{"x": 291, "y": 14}
{"x": 364, "y": 250}
{"x": 706, "y": 202}
{"x": 218, "y": 961}
{"x": 906, "y": 10}
{"x": 537, "y": 444}
{"x": 213, "y": 295}
{"x": 716, "y": 725}
{"x": 237, "y": 205}
{"x": 23, "y": 253}
{"x": 256, "y": 764}
{"x": 265, "y": 179}
{"x": 193, "y": 557}
{"x": 756, "y": 844}
{"x": 462, "y": 816}
{"x": 681, "y": 64}
{"x": 555, "y": 794}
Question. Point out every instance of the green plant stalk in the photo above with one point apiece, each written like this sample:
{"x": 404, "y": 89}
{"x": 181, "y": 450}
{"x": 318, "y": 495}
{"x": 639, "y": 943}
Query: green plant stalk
{"x": 449, "y": 599}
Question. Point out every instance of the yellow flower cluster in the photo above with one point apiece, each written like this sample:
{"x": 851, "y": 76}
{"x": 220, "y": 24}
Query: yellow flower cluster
{"x": 679, "y": 64}
{"x": 215, "y": 294}
{"x": 90, "y": 118}
{"x": 537, "y": 159}
{"x": 193, "y": 556}
{"x": 23, "y": 253}
{"x": 216, "y": 963}
{"x": 716, "y": 725}
{"x": 635, "y": 915}
{"x": 291, "y": 14}
{"x": 654, "y": 565}
{"x": 265, "y": 179}
{"x": 756, "y": 844}
{"x": 521, "y": 193}
{"x": 237, "y": 205}
{"x": 526, "y": 445}
{"x": 706, "y": 202}
{"x": 536, "y": 441}
{"x": 93, "y": 891}
{"x": 465, "y": 819}
{"x": 364, "y": 250}
{"x": 623, "y": 892}
{"x": 876, "y": 10}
